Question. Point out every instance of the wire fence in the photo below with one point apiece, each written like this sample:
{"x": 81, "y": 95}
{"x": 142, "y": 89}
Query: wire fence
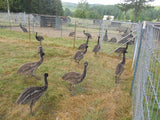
{"x": 146, "y": 59}
{"x": 110, "y": 31}
{"x": 145, "y": 86}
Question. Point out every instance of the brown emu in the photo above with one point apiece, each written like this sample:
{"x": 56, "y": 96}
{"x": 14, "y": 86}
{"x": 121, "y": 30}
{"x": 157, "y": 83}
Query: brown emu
{"x": 39, "y": 38}
{"x": 96, "y": 47}
{"x": 71, "y": 34}
{"x": 23, "y": 28}
{"x": 32, "y": 94}
{"x": 83, "y": 46}
{"x": 120, "y": 68}
{"x": 30, "y": 68}
{"x": 87, "y": 34}
{"x": 74, "y": 78}
{"x": 78, "y": 56}
{"x": 122, "y": 49}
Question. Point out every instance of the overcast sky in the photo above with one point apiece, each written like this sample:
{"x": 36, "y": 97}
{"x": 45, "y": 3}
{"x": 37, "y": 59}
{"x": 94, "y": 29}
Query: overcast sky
{"x": 107, "y": 2}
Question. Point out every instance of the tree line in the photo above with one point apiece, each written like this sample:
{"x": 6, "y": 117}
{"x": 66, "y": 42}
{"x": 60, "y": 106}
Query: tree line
{"x": 51, "y": 7}
{"x": 133, "y": 10}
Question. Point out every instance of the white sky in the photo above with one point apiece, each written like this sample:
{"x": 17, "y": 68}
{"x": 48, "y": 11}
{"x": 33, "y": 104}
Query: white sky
{"x": 107, "y": 2}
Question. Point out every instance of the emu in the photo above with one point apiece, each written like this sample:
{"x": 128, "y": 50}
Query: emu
{"x": 83, "y": 46}
{"x": 96, "y": 47}
{"x": 122, "y": 49}
{"x": 87, "y": 34}
{"x": 32, "y": 94}
{"x": 120, "y": 68}
{"x": 78, "y": 56}
{"x": 31, "y": 67}
{"x": 105, "y": 38}
{"x": 23, "y": 28}
{"x": 71, "y": 34}
{"x": 113, "y": 40}
{"x": 39, "y": 38}
{"x": 74, "y": 78}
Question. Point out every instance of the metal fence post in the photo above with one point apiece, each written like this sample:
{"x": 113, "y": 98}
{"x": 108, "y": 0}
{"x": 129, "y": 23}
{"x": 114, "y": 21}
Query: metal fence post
{"x": 139, "y": 50}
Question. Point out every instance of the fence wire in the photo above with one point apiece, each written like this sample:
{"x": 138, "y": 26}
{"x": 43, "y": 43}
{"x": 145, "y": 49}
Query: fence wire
{"x": 146, "y": 90}
{"x": 117, "y": 35}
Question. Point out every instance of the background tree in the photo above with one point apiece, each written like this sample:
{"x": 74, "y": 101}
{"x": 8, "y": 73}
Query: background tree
{"x": 52, "y": 7}
{"x": 67, "y": 12}
{"x": 82, "y": 9}
{"x": 137, "y": 5}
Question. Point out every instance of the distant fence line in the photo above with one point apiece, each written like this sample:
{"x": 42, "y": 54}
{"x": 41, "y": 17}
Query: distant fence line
{"x": 60, "y": 26}
{"x": 66, "y": 24}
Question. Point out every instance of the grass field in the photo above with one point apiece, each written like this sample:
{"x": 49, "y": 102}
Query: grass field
{"x": 96, "y": 98}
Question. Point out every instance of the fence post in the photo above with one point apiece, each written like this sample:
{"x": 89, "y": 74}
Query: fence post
{"x": 74, "y": 35}
{"x": 139, "y": 50}
{"x": 29, "y": 28}
{"x": 101, "y": 37}
{"x": 61, "y": 27}
{"x": 9, "y": 15}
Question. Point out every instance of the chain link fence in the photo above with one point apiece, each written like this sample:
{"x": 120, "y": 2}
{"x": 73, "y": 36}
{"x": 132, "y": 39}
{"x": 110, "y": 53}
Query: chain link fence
{"x": 145, "y": 86}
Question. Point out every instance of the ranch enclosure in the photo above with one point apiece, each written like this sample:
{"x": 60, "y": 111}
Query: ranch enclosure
{"x": 97, "y": 97}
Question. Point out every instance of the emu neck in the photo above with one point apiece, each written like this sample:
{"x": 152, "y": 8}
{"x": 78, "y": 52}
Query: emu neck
{"x": 85, "y": 51}
{"x": 36, "y": 34}
{"x": 41, "y": 58}
{"x": 46, "y": 82}
{"x": 123, "y": 62}
{"x": 87, "y": 40}
{"x": 126, "y": 46}
{"x": 98, "y": 41}
{"x": 84, "y": 73}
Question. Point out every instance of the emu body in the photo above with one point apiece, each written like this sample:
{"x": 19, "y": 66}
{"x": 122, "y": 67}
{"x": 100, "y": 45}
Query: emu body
{"x": 96, "y": 47}
{"x": 74, "y": 78}
{"x": 120, "y": 68}
{"x": 32, "y": 94}
{"x": 87, "y": 34}
{"x": 84, "y": 45}
{"x": 78, "y": 56}
{"x": 23, "y": 28}
{"x": 39, "y": 38}
{"x": 30, "y": 68}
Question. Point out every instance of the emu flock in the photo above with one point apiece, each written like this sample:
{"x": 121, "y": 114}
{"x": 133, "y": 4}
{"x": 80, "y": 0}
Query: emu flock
{"x": 32, "y": 94}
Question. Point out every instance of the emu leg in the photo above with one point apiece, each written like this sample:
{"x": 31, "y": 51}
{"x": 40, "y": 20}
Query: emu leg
{"x": 70, "y": 87}
{"x": 115, "y": 79}
{"x": 118, "y": 79}
{"x": 73, "y": 93}
{"x": 25, "y": 78}
{"x": 31, "y": 105}
{"x": 36, "y": 77}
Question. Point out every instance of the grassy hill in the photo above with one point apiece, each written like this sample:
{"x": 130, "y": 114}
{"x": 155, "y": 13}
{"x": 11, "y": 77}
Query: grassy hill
{"x": 96, "y": 98}
{"x": 73, "y": 6}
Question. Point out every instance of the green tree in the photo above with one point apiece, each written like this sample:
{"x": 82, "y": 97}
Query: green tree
{"x": 67, "y": 12}
{"x": 82, "y": 9}
{"x": 137, "y": 5}
{"x": 52, "y": 7}
{"x": 94, "y": 15}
